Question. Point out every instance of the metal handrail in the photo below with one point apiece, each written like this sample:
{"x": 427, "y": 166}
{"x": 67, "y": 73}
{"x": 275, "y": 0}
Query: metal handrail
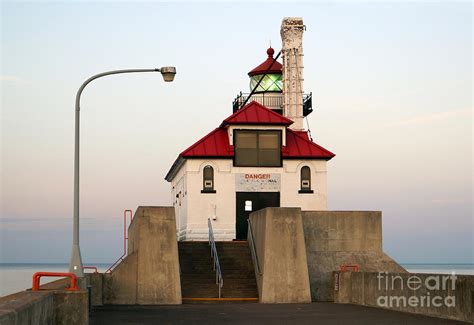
{"x": 215, "y": 258}
{"x": 125, "y": 241}
{"x": 253, "y": 249}
{"x": 271, "y": 100}
{"x": 354, "y": 267}
{"x": 91, "y": 268}
{"x": 37, "y": 276}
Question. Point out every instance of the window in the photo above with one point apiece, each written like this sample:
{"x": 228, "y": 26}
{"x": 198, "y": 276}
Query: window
{"x": 208, "y": 180}
{"x": 248, "y": 205}
{"x": 270, "y": 82}
{"x": 254, "y": 148}
{"x": 305, "y": 180}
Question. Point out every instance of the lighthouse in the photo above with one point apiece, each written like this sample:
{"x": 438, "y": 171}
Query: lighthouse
{"x": 260, "y": 156}
{"x": 252, "y": 192}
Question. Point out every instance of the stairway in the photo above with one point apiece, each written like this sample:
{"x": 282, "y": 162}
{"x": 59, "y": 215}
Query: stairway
{"x": 198, "y": 279}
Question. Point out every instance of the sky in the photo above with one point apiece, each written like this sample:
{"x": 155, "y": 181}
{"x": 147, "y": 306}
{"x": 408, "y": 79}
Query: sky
{"x": 392, "y": 97}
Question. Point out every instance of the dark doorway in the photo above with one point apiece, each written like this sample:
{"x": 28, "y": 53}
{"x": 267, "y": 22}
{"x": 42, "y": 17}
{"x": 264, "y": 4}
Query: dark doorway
{"x": 248, "y": 202}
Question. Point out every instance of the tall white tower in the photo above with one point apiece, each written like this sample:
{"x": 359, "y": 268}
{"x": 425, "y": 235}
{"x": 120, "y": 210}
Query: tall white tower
{"x": 291, "y": 32}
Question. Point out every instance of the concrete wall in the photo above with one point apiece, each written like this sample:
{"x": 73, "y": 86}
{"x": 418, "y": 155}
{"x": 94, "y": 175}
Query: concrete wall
{"x": 96, "y": 283}
{"x": 193, "y": 208}
{"x": 27, "y": 308}
{"x": 343, "y": 237}
{"x": 149, "y": 275}
{"x": 409, "y": 292}
{"x": 71, "y": 307}
{"x": 52, "y": 306}
{"x": 120, "y": 286}
{"x": 280, "y": 247}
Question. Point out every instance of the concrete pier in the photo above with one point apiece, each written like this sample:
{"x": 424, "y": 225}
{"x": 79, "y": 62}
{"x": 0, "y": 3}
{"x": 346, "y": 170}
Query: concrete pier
{"x": 51, "y": 305}
{"x": 149, "y": 275}
{"x": 272, "y": 314}
{"x": 281, "y": 252}
{"x": 334, "y": 238}
{"x": 441, "y": 295}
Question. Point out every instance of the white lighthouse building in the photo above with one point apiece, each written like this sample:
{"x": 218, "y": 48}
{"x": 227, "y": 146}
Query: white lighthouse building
{"x": 260, "y": 156}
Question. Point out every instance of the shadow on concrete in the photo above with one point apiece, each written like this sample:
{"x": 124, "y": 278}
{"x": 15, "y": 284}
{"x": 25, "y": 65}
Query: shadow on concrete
{"x": 254, "y": 313}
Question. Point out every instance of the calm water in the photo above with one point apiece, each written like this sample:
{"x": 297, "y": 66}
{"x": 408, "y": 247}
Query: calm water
{"x": 17, "y": 277}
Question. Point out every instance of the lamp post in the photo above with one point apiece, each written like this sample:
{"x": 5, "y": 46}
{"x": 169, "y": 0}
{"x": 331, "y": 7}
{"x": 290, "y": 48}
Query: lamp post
{"x": 75, "y": 264}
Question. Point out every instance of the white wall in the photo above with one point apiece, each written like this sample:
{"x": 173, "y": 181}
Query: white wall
{"x": 197, "y": 207}
{"x": 179, "y": 197}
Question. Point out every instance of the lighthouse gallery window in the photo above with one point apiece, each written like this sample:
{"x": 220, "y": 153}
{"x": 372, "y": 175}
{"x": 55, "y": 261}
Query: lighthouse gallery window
{"x": 257, "y": 148}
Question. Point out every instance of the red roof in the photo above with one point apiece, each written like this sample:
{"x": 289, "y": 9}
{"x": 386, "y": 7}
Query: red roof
{"x": 262, "y": 68}
{"x": 303, "y": 134}
{"x": 298, "y": 146}
{"x": 255, "y": 113}
{"x": 214, "y": 144}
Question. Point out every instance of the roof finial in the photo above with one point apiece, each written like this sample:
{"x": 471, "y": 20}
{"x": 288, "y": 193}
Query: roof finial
{"x": 270, "y": 52}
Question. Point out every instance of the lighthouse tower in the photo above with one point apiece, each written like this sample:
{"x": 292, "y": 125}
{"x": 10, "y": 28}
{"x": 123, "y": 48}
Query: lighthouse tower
{"x": 292, "y": 42}
{"x": 277, "y": 86}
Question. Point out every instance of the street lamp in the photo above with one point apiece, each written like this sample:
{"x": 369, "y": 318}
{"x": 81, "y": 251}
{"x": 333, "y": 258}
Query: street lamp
{"x": 75, "y": 264}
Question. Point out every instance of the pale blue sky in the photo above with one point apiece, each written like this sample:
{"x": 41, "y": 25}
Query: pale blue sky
{"x": 393, "y": 95}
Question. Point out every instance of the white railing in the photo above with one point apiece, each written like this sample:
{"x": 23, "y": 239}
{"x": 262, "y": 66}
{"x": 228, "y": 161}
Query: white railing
{"x": 215, "y": 258}
{"x": 271, "y": 100}
{"x": 253, "y": 249}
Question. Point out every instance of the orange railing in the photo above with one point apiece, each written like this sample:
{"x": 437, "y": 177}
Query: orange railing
{"x": 125, "y": 240}
{"x": 37, "y": 276}
{"x": 350, "y": 267}
{"x": 91, "y": 268}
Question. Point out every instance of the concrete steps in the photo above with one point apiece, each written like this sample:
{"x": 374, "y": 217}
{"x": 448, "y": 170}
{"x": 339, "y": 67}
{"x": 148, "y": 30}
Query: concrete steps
{"x": 198, "y": 279}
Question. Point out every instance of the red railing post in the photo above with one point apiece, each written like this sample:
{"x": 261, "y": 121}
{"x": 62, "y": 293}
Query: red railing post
{"x": 37, "y": 276}
{"x": 354, "y": 267}
{"x": 125, "y": 239}
{"x": 91, "y": 268}
{"x": 125, "y": 233}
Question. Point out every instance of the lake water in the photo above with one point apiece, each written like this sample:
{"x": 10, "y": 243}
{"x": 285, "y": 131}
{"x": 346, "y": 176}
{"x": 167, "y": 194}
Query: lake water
{"x": 17, "y": 277}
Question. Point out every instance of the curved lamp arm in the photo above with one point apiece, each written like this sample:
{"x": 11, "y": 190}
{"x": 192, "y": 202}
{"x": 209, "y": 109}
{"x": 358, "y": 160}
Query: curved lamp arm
{"x": 75, "y": 264}
{"x": 103, "y": 74}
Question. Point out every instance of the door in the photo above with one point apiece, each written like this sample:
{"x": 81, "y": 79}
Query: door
{"x": 248, "y": 202}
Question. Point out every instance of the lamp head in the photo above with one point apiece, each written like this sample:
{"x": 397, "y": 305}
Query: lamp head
{"x": 168, "y": 73}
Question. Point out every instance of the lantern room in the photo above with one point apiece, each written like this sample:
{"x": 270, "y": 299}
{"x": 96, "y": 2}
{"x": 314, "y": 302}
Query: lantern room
{"x": 267, "y": 77}
{"x": 266, "y": 87}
